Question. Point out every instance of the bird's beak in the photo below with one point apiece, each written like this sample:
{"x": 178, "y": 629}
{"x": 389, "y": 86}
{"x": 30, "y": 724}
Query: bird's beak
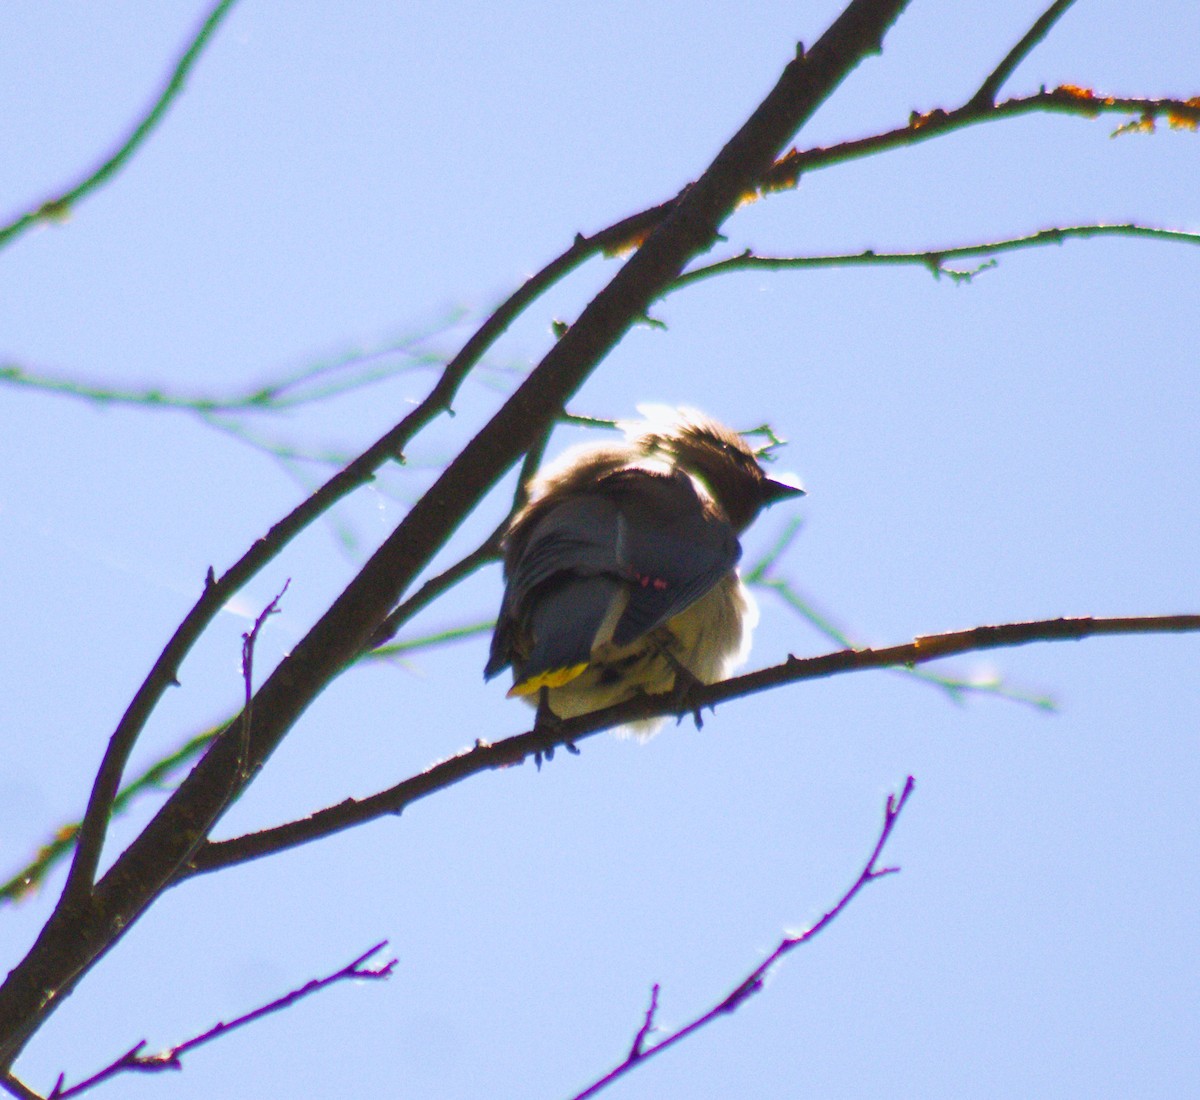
{"x": 775, "y": 489}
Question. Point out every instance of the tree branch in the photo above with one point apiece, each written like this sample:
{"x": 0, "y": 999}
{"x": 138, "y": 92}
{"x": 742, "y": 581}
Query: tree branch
{"x": 933, "y": 259}
{"x": 484, "y": 756}
{"x": 753, "y": 982}
{"x": 218, "y": 591}
{"x": 1065, "y": 99}
{"x": 133, "y": 1060}
{"x": 58, "y": 208}
{"x": 486, "y": 552}
{"x": 78, "y": 934}
{"x": 19, "y": 1089}
{"x": 986, "y": 95}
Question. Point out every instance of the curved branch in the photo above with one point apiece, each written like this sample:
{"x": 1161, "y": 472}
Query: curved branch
{"x": 215, "y": 855}
{"x": 58, "y": 208}
{"x": 88, "y": 922}
{"x": 1066, "y": 99}
{"x": 133, "y": 1060}
{"x": 753, "y": 982}
{"x": 218, "y": 591}
{"x": 933, "y": 259}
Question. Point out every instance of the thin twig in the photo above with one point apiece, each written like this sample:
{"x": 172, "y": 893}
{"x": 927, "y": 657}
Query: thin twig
{"x": 986, "y": 95}
{"x": 1065, "y": 99}
{"x": 58, "y": 208}
{"x": 218, "y": 591}
{"x": 249, "y": 640}
{"x": 133, "y": 1060}
{"x": 485, "y": 553}
{"x": 485, "y": 756}
{"x": 753, "y": 982}
{"x": 648, "y": 1026}
{"x": 762, "y": 575}
{"x": 932, "y": 259}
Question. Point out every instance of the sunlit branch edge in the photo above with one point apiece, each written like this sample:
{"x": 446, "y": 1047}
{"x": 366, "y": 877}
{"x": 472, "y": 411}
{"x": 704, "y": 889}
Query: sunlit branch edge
{"x": 1065, "y": 99}
{"x": 541, "y": 741}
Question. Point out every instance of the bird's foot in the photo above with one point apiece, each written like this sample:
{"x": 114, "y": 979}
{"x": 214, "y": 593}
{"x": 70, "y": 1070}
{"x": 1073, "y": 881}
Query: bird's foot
{"x": 683, "y": 694}
{"x": 546, "y": 721}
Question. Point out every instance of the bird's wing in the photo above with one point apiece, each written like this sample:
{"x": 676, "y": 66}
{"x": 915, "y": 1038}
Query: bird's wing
{"x": 611, "y": 564}
{"x": 671, "y": 547}
{"x": 561, "y": 586}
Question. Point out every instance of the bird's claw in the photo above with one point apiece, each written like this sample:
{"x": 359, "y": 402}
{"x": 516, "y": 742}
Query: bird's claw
{"x": 683, "y": 694}
{"x": 547, "y": 722}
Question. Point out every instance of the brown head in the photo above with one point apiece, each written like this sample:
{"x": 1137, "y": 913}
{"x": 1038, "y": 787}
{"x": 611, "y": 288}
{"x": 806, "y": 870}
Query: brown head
{"x": 718, "y": 457}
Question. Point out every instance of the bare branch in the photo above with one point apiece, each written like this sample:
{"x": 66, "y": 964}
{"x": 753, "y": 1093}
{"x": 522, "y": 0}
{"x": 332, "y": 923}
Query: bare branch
{"x": 753, "y": 982}
{"x": 643, "y": 1033}
{"x": 152, "y": 778}
{"x": 986, "y": 95}
{"x": 485, "y": 553}
{"x": 133, "y": 1060}
{"x": 1065, "y": 99}
{"x": 218, "y": 591}
{"x": 932, "y": 259}
{"x": 249, "y": 641}
{"x": 19, "y": 1089}
{"x": 485, "y": 756}
{"x": 762, "y": 575}
{"x": 58, "y": 208}
{"x": 89, "y": 840}
{"x": 77, "y": 934}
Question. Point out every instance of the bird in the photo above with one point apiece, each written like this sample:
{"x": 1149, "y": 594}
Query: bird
{"x": 621, "y": 568}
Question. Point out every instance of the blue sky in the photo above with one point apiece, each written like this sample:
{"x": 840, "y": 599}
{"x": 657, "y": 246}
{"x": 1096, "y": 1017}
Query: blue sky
{"x": 1021, "y": 447}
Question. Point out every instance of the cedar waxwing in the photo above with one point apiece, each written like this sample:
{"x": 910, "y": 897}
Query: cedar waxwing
{"x": 621, "y": 568}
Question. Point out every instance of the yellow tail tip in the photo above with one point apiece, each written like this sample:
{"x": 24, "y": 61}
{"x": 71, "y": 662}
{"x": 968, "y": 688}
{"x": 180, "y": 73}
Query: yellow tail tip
{"x": 556, "y": 677}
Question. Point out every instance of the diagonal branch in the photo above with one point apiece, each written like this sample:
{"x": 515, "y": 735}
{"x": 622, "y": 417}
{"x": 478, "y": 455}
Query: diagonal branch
{"x": 1066, "y": 99}
{"x": 218, "y": 591}
{"x": 215, "y": 855}
{"x": 753, "y": 982}
{"x": 133, "y": 1060}
{"x": 58, "y": 208}
{"x": 89, "y": 922}
{"x": 18, "y": 1088}
{"x": 485, "y": 553}
{"x": 986, "y": 95}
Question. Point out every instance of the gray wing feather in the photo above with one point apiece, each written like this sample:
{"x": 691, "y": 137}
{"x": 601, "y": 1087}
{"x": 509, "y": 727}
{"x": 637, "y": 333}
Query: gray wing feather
{"x": 559, "y": 587}
{"x": 675, "y": 551}
{"x": 565, "y": 621}
{"x": 640, "y": 533}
